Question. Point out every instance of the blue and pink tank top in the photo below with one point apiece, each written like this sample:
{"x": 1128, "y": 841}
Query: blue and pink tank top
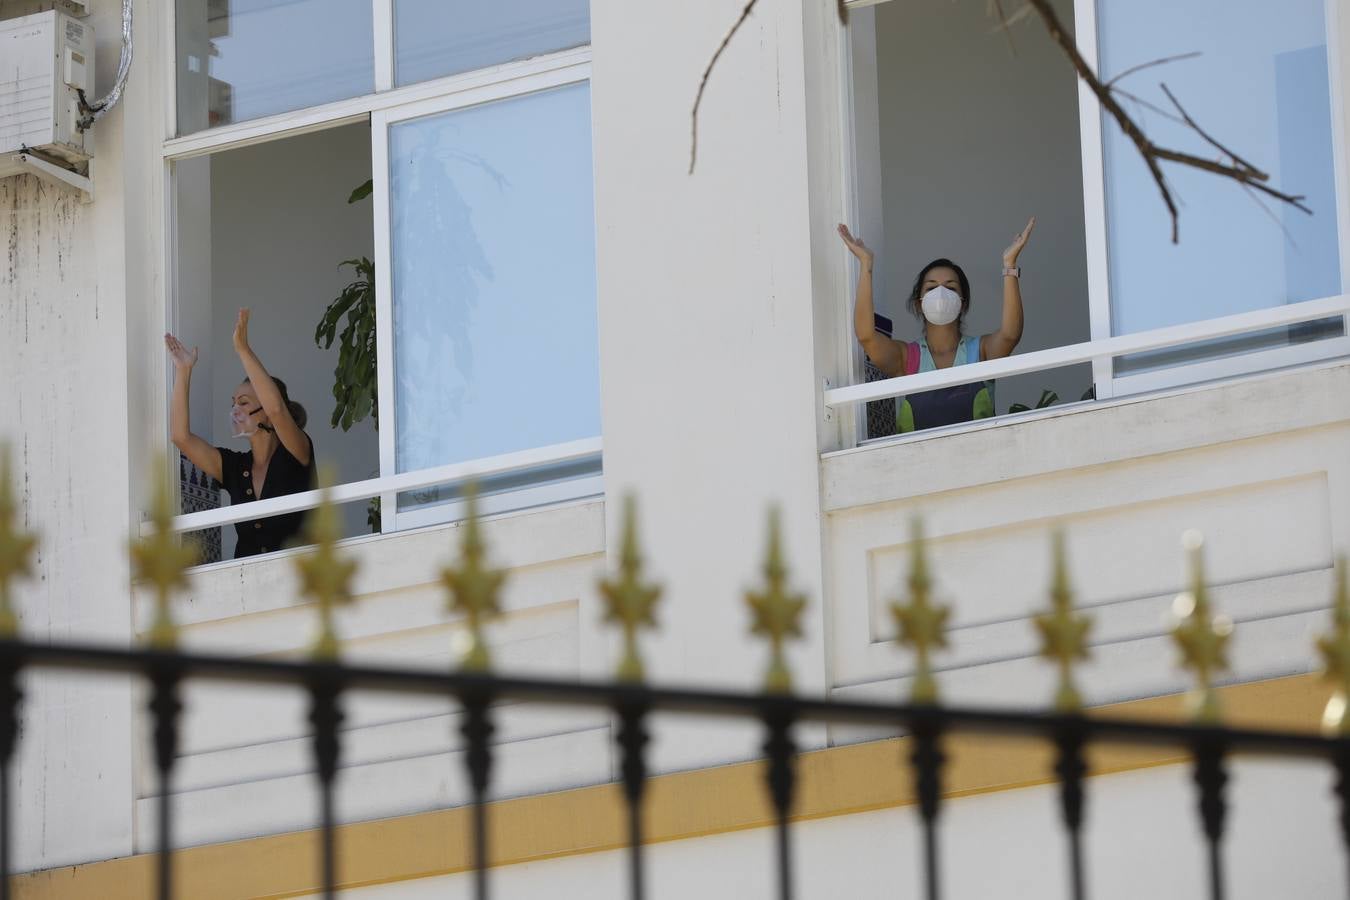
{"x": 944, "y": 406}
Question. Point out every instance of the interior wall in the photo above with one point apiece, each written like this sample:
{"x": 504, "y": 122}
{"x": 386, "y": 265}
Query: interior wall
{"x": 973, "y": 141}
{"x": 280, "y": 225}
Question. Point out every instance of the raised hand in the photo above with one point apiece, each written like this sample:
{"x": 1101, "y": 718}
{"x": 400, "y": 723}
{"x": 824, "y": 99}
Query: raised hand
{"x": 241, "y": 331}
{"x": 182, "y": 357}
{"x": 856, "y": 246}
{"x": 1019, "y": 242}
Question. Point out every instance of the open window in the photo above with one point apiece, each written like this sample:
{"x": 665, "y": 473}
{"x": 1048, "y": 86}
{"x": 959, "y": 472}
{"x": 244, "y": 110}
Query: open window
{"x": 956, "y": 139}
{"x": 268, "y": 227}
{"x": 454, "y": 167}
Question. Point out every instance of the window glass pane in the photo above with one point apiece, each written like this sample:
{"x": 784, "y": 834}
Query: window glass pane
{"x": 442, "y": 37}
{"x": 493, "y": 251}
{"x": 1260, "y": 86}
{"x": 244, "y": 59}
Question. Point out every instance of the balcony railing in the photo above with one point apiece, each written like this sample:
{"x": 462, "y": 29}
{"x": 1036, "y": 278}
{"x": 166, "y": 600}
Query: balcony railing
{"x": 1092, "y": 351}
{"x": 629, "y": 600}
{"x": 556, "y": 455}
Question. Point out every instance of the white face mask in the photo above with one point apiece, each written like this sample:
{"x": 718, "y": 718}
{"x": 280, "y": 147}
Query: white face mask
{"x": 941, "y": 305}
{"x": 244, "y": 421}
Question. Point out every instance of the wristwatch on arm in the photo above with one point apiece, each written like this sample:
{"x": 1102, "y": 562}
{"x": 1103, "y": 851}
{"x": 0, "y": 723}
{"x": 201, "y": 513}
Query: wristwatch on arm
{"x": 1014, "y": 271}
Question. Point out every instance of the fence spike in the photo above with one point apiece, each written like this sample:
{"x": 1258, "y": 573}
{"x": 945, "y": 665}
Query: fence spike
{"x": 17, "y": 548}
{"x": 628, "y": 601}
{"x": 1335, "y": 650}
{"x": 1063, "y": 633}
{"x": 921, "y": 624}
{"x": 1201, "y": 635}
{"x": 161, "y": 559}
{"x": 325, "y": 573}
{"x": 776, "y": 611}
{"x": 473, "y": 587}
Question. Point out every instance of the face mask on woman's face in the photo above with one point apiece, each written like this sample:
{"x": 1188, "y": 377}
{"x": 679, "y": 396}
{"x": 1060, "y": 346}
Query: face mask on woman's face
{"x": 244, "y": 420}
{"x": 941, "y": 305}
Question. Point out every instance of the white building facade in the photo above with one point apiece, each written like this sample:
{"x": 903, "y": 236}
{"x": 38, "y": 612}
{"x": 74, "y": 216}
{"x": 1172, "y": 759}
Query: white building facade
{"x": 561, "y": 307}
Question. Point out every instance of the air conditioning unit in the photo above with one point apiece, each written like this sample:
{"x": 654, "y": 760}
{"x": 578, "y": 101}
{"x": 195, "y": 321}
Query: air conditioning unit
{"x": 45, "y": 60}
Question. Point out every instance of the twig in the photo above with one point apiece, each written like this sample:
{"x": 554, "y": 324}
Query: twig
{"x": 1256, "y": 173}
{"x": 996, "y": 8}
{"x": 1270, "y": 213}
{"x": 703, "y": 83}
{"x": 1242, "y": 172}
{"x": 1108, "y": 103}
{"x": 1156, "y": 62}
{"x": 1151, "y": 107}
{"x": 841, "y": 9}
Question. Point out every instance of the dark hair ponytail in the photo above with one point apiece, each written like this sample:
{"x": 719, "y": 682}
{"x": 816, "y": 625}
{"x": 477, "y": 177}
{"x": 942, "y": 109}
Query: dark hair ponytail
{"x": 297, "y": 411}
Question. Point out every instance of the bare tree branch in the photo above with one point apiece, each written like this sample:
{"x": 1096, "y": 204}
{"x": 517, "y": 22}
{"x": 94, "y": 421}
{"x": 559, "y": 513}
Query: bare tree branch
{"x": 1148, "y": 65}
{"x": 703, "y": 83}
{"x": 841, "y": 9}
{"x": 996, "y": 9}
{"x": 1185, "y": 116}
{"x": 1150, "y": 106}
{"x": 1270, "y": 214}
{"x": 1239, "y": 170}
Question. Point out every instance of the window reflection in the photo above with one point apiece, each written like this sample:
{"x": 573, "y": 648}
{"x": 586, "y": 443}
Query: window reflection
{"x": 493, "y": 248}
{"x": 1261, "y": 86}
{"x": 442, "y": 37}
{"x": 245, "y": 59}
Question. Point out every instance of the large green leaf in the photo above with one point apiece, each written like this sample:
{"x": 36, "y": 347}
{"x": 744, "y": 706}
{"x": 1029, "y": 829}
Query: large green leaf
{"x": 362, "y": 192}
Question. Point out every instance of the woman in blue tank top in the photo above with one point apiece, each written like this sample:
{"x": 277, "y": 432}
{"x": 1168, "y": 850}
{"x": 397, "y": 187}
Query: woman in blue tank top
{"x": 940, "y": 299}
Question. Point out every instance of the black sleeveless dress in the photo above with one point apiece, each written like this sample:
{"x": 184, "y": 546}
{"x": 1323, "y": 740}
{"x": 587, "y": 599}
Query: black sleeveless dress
{"x": 285, "y": 475}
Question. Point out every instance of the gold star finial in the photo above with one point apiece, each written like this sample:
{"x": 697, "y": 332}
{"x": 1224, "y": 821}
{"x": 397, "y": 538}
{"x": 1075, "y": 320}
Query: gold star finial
{"x": 161, "y": 559}
{"x": 628, "y": 600}
{"x": 1201, "y": 635}
{"x": 325, "y": 573}
{"x": 922, "y": 625}
{"x": 776, "y": 612}
{"x": 473, "y": 587}
{"x": 16, "y": 549}
{"x": 1063, "y": 634}
{"x": 1335, "y": 649}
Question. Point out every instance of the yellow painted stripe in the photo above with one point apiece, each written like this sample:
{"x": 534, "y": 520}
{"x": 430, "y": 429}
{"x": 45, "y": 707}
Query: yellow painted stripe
{"x": 833, "y": 782}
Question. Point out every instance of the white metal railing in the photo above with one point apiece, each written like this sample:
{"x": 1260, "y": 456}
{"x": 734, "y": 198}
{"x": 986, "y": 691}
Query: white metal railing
{"x": 1090, "y": 351}
{"x": 557, "y": 454}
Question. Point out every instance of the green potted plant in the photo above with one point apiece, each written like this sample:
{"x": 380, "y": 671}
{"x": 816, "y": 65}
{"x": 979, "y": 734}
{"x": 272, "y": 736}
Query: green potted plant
{"x": 355, "y": 391}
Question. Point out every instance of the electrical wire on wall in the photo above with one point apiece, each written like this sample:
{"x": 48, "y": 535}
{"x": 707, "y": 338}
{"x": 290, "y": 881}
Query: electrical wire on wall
{"x": 92, "y": 112}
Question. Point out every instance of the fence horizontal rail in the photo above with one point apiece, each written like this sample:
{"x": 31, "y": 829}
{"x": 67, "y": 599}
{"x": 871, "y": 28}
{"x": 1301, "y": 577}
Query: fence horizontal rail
{"x": 693, "y": 700}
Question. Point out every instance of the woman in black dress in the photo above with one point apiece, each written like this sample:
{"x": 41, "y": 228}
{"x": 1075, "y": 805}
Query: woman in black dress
{"x": 280, "y": 458}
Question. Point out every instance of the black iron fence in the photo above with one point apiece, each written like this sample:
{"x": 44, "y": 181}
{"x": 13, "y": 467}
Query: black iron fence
{"x": 160, "y": 562}
{"x": 327, "y": 682}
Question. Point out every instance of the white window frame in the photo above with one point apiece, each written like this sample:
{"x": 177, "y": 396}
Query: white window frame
{"x": 1102, "y": 348}
{"x": 1105, "y": 380}
{"x": 385, "y": 107}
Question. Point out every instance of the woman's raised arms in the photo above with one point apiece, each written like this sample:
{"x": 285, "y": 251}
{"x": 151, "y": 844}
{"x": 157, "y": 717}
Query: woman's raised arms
{"x": 202, "y": 454}
{"x": 886, "y": 354}
{"x": 291, "y": 435}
